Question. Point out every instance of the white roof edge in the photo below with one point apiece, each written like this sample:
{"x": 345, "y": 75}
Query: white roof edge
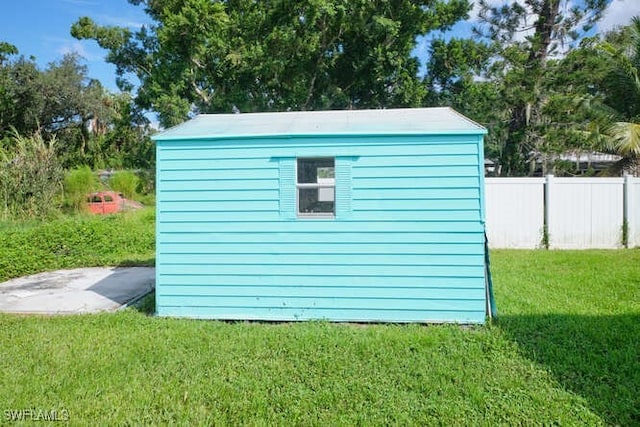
{"x": 401, "y": 121}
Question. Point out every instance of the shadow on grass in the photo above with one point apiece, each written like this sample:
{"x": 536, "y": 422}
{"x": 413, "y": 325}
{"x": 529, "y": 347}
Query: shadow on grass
{"x": 596, "y": 357}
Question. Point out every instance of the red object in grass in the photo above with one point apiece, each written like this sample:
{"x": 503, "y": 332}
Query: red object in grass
{"x": 108, "y": 202}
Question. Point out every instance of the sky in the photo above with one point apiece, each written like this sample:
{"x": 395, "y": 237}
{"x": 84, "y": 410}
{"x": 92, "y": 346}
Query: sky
{"x": 40, "y": 28}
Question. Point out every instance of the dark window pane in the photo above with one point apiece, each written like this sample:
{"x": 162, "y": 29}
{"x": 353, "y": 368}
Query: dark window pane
{"x": 309, "y": 170}
{"x": 108, "y": 198}
{"x": 315, "y": 200}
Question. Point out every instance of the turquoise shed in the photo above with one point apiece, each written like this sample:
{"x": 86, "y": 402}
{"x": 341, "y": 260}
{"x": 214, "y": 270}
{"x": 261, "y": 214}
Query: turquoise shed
{"x": 360, "y": 215}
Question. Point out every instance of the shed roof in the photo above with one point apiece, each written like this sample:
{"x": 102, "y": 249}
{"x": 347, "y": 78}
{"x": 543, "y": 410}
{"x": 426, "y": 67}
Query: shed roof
{"x": 406, "y": 121}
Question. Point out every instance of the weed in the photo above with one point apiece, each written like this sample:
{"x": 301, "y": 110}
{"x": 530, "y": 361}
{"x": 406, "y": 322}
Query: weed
{"x": 125, "y": 182}
{"x": 78, "y": 183}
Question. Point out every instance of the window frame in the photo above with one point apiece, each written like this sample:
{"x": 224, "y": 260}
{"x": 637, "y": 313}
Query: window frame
{"x": 318, "y": 186}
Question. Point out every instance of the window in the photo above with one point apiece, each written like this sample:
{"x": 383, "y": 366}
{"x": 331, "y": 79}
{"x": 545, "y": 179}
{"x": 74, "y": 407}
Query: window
{"x": 316, "y": 187}
{"x": 108, "y": 198}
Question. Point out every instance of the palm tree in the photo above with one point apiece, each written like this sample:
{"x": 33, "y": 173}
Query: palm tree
{"x": 623, "y": 129}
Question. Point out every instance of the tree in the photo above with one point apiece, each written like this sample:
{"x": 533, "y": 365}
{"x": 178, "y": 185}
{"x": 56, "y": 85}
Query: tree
{"x": 91, "y": 126}
{"x": 456, "y": 77}
{"x": 44, "y": 100}
{"x": 6, "y": 50}
{"x": 219, "y": 56}
{"x": 521, "y": 64}
{"x": 595, "y": 98}
{"x": 126, "y": 142}
{"x": 623, "y": 95}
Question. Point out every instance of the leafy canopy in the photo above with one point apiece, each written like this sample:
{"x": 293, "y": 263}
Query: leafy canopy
{"x": 501, "y": 77}
{"x": 221, "y": 56}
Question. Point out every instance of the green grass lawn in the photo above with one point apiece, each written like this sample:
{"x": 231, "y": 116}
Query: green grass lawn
{"x": 565, "y": 351}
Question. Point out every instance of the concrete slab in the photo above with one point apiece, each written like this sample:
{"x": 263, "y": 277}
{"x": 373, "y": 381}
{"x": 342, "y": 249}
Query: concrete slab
{"x": 82, "y": 290}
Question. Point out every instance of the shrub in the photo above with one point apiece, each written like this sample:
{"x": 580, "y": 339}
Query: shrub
{"x": 30, "y": 178}
{"x": 147, "y": 184}
{"x": 77, "y": 184}
{"x": 125, "y": 182}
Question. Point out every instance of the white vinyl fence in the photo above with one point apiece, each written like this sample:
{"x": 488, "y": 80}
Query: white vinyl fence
{"x": 579, "y": 213}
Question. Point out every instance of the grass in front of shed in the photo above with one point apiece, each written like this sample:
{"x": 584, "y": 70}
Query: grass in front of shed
{"x": 564, "y": 351}
{"x": 129, "y": 368}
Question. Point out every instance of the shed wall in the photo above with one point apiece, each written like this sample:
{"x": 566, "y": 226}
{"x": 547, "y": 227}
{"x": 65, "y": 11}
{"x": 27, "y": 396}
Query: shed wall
{"x": 406, "y": 244}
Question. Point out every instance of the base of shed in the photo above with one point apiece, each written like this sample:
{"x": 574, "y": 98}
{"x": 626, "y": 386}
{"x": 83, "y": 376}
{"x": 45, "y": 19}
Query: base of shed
{"x": 294, "y": 315}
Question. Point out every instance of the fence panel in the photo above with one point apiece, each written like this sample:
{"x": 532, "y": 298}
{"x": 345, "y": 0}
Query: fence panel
{"x": 585, "y": 212}
{"x": 633, "y": 211}
{"x": 514, "y": 212}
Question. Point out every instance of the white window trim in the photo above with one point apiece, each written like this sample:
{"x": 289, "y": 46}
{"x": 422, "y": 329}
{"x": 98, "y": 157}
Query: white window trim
{"x": 306, "y": 215}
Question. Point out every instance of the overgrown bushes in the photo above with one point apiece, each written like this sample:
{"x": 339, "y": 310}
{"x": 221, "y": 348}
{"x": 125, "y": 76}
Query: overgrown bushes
{"x": 30, "y": 178}
{"x": 33, "y": 184}
{"x": 125, "y": 182}
{"x": 77, "y": 241}
{"x": 78, "y": 183}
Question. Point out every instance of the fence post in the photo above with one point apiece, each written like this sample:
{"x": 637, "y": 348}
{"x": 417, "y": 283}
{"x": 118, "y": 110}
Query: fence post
{"x": 626, "y": 215}
{"x": 546, "y": 237}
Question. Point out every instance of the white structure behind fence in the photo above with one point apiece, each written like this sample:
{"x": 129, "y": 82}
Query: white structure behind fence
{"x": 579, "y": 213}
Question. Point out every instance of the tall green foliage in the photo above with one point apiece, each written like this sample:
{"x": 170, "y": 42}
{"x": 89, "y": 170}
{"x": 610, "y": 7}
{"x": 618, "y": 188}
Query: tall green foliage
{"x": 594, "y": 104}
{"x": 92, "y": 126}
{"x": 525, "y": 35}
{"x": 125, "y": 182}
{"x": 457, "y": 77}
{"x": 78, "y": 183}
{"x": 624, "y": 132}
{"x": 217, "y": 56}
{"x": 30, "y": 178}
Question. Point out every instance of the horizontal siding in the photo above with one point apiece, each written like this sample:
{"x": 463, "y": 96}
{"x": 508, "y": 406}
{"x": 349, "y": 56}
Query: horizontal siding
{"x": 344, "y": 269}
{"x": 197, "y": 206}
{"x": 198, "y": 165}
{"x": 245, "y": 280}
{"x": 182, "y": 215}
{"x": 312, "y": 313}
{"x": 334, "y": 303}
{"x": 410, "y": 249}
{"x": 433, "y": 240}
{"x": 257, "y": 258}
{"x": 316, "y": 225}
{"x": 440, "y": 172}
{"x": 219, "y": 184}
{"x": 218, "y": 195}
{"x": 284, "y": 146}
{"x": 398, "y": 205}
{"x": 219, "y": 174}
{"x": 323, "y": 292}
{"x": 320, "y": 248}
